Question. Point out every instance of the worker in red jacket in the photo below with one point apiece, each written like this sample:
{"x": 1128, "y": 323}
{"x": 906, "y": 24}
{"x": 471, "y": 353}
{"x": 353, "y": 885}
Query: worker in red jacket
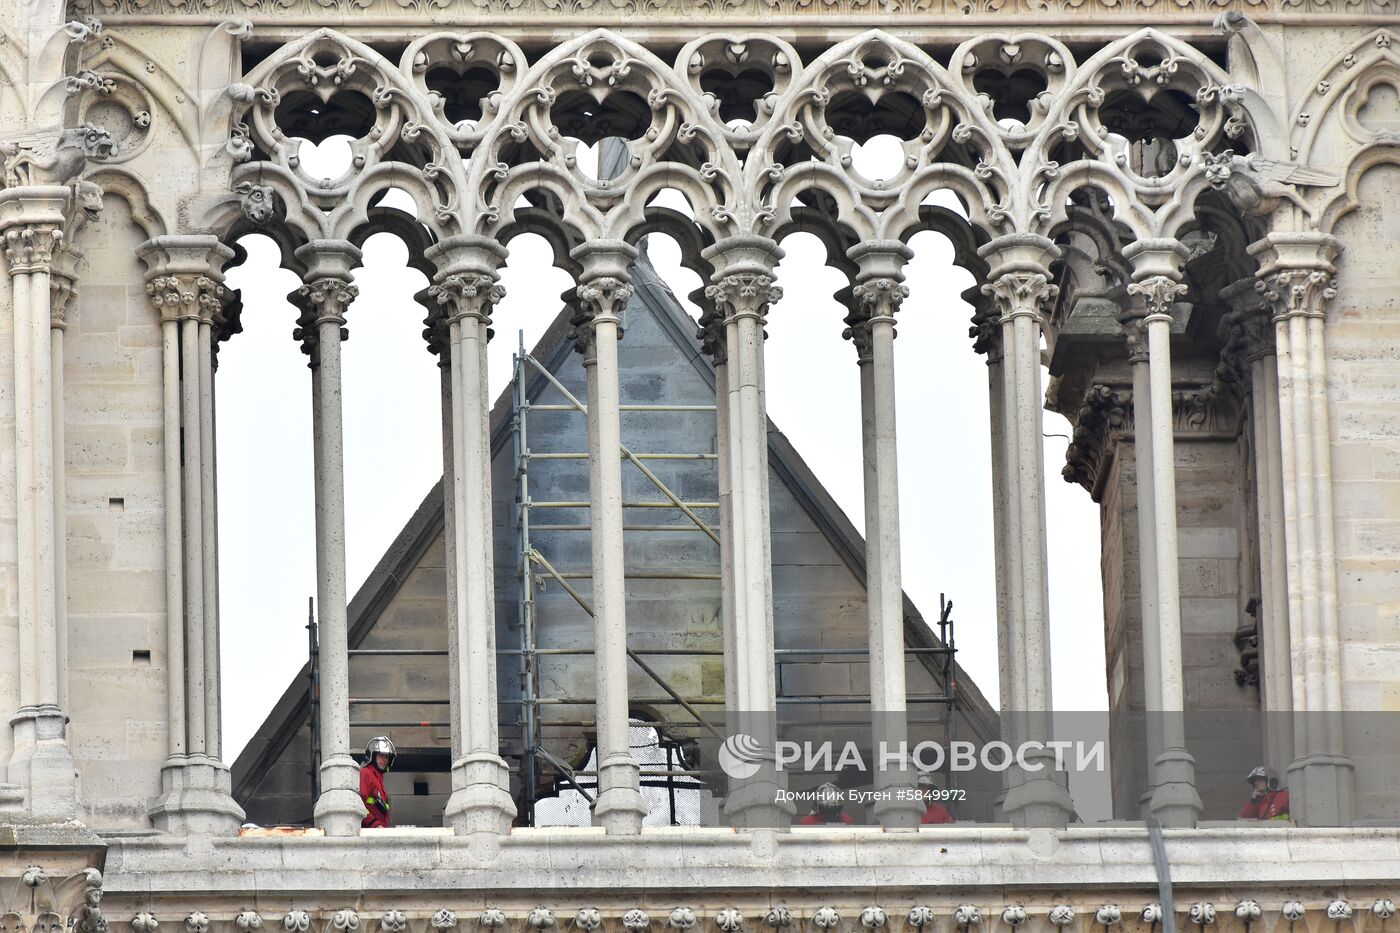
{"x": 1267, "y": 801}
{"x": 827, "y": 807}
{"x": 379, "y": 758}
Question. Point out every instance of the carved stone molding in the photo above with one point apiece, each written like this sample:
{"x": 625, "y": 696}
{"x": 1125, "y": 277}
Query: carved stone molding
{"x": 39, "y": 897}
{"x": 757, "y": 10}
{"x": 1103, "y": 416}
{"x": 1106, "y": 416}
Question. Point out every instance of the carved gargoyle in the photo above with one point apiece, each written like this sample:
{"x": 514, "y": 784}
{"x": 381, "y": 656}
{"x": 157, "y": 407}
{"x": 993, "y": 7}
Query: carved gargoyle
{"x": 1256, "y": 185}
{"x": 54, "y": 155}
{"x": 259, "y": 202}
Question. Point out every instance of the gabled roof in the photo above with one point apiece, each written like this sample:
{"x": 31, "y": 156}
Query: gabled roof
{"x": 552, "y": 349}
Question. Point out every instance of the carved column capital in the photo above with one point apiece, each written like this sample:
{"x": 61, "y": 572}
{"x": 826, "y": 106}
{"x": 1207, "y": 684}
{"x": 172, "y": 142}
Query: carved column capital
{"x": 185, "y": 296}
{"x": 468, "y": 295}
{"x": 744, "y": 295}
{"x": 1246, "y": 332}
{"x": 1018, "y": 275}
{"x": 1157, "y": 296}
{"x": 326, "y": 291}
{"x": 466, "y": 285}
{"x": 1020, "y": 294}
{"x": 1297, "y": 292}
{"x": 604, "y": 288}
{"x": 435, "y": 331}
{"x": 711, "y": 334}
{"x": 743, "y": 285}
{"x": 38, "y": 223}
{"x": 321, "y": 301}
{"x": 1295, "y": 274}
{"x": 30, "y": 247}
{"x": 872, "y": 301}
{"x": 184, "y": 276}
{"x": 600, "y": 300}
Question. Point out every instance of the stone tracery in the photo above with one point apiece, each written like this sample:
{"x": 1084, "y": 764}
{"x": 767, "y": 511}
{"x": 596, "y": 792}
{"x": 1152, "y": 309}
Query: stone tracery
{"x": 1041, "y": 143}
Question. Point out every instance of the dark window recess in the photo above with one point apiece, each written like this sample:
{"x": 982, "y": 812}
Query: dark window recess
{"x": 141, "y": 657}
{"x": 420, "y": 788}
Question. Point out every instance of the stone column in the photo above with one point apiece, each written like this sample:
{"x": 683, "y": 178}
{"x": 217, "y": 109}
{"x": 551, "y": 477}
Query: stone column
{"x": 1157, "y": 271}
{"x": 63, "y": 280}
{"x": 184, "y": 282}
{"x": 603, "y": 291}
{"x": 438, "y": 336}
{"x": 1252, "y": 339}
{"x": 877, "y": 293}
{"x": 324, "y": 298}
{"x": 32, "y": 222}
{"x": 711, "y": 335}
{"x": 1136, "y": 332}
{"x": 986, "y": 334}
{"x": 465, "y": 287}
{"x": 1295, "y": 277}
{"x": 1019, "y": 281}
{"x": 742, "y": 291}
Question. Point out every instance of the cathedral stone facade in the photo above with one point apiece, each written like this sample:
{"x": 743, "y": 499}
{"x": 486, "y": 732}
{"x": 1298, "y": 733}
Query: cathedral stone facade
{"x": 1185, "y": 209}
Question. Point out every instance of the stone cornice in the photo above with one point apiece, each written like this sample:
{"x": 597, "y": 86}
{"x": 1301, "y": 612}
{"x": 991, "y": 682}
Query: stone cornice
{"x": 1106, "y": 416}
{"x": 531, "y": 868}
{"x": 731, "y": 13}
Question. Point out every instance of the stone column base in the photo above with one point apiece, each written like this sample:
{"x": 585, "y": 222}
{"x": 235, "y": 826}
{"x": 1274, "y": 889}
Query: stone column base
{"x": 340, "y": 809}
{"x": 619, "y": 808}
{"x": 196, "y": 798}
{"x": 904, "y": 808}
{"x": 11, "y": 801}
{"x": 1321, "y": 789}
{"x": 758, "y": 803}
{"x": 1175, "y": 801}
{"x": 42, "y": 763}
{"x": 1036, "y": 798}
{"x": 480, "y": 801}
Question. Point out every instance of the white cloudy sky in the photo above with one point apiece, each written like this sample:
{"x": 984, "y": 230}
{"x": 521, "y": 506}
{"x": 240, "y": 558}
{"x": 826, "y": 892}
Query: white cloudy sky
{"x": 393, "y": 449}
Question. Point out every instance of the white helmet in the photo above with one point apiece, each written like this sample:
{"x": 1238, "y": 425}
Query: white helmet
{"x": 380, "y": 744}
{"x": 1259, "y": 772}
{"x": 827, "y": 797}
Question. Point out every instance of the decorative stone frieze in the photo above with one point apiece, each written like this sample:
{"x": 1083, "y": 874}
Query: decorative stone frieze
{"x": 753, "y": 11}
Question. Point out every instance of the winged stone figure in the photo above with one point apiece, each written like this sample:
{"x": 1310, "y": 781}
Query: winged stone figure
{"x": 53, "y": 155}
{"x": 1256, "y": 184}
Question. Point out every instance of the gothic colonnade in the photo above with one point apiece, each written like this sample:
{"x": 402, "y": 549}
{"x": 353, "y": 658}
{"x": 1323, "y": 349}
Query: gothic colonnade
{"x": 743, "y": 184}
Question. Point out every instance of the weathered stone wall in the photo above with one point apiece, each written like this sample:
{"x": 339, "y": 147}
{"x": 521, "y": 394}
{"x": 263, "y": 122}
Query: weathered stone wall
{"x": 116, "y": 557}
{"x": 1363, "y": 344}
{"x": 1210, "y": 501}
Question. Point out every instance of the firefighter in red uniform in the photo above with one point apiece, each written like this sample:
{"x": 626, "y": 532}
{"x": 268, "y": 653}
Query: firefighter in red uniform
{"x": 934, "y": 812}
{"x": 826, "y": 808}
{"x": 379, "y": 758}
{"x": 1267, "y": 801}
